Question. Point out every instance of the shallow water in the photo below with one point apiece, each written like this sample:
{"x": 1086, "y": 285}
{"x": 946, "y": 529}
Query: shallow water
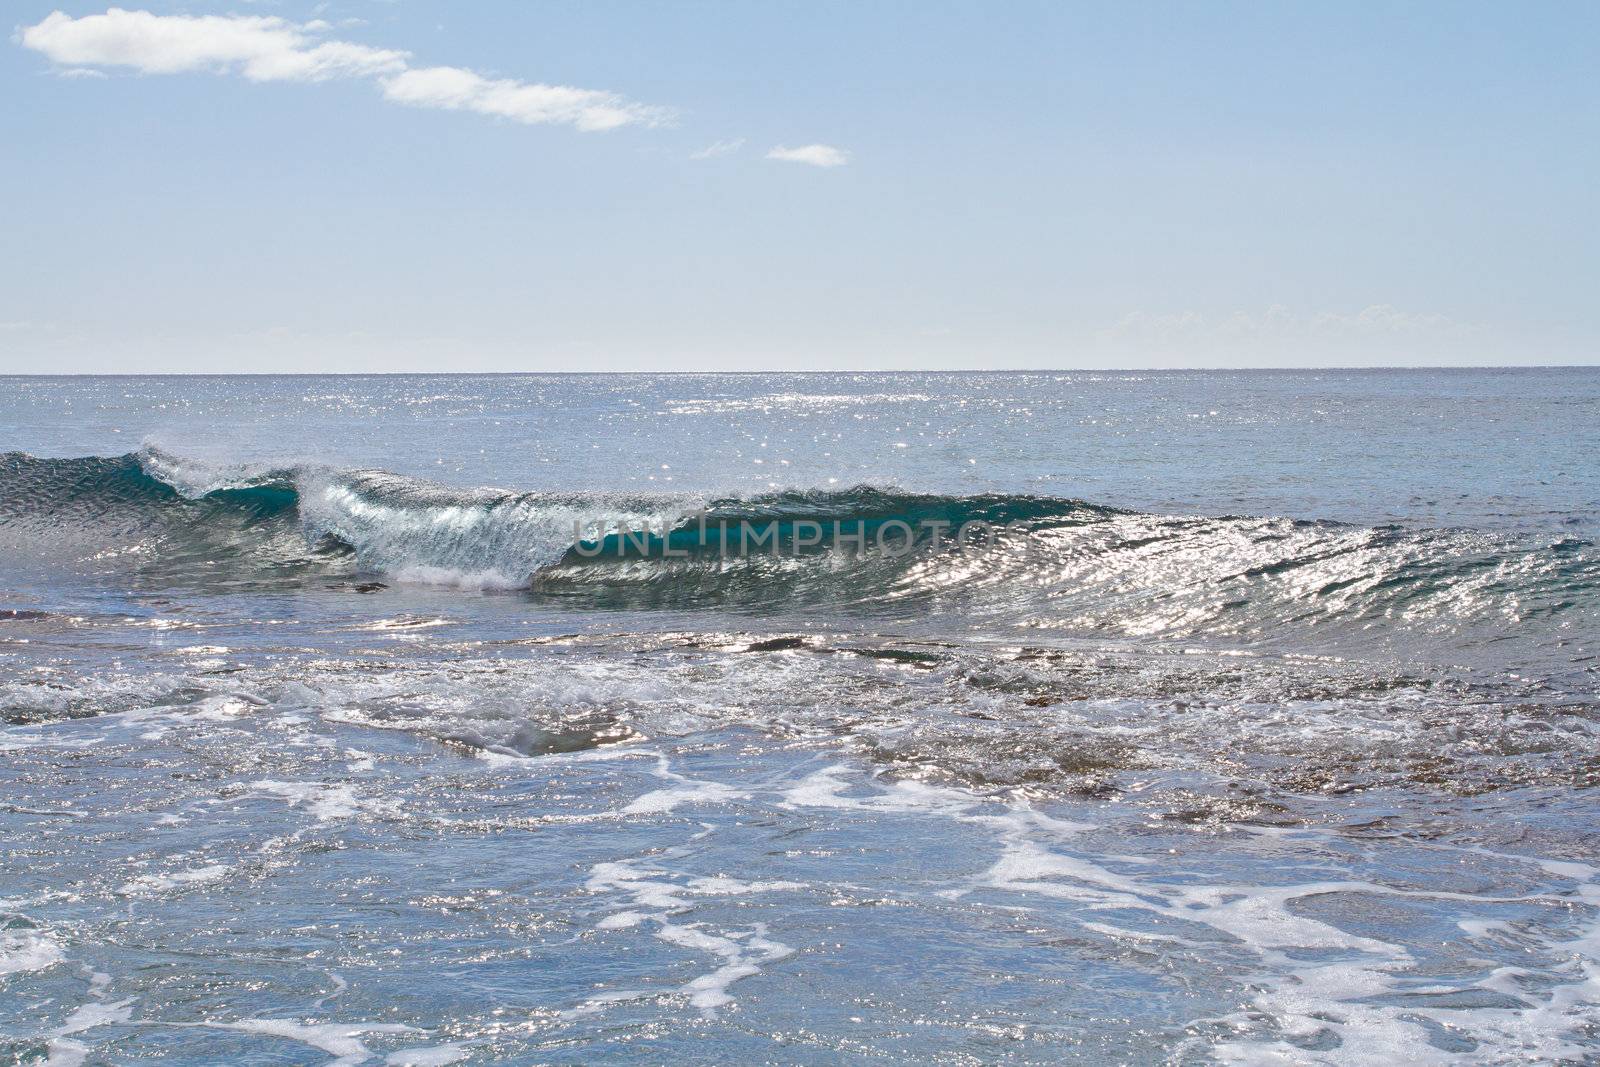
{"x": 1265, "y": 732}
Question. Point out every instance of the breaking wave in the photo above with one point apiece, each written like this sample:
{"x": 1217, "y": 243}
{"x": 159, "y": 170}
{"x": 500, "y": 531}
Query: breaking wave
{"x": 1039, "y": 563}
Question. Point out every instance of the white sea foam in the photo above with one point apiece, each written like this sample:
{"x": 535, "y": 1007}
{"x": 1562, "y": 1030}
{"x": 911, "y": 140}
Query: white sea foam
{"x": 340, "y": 1040}
{"x": 1346, "y": 997}
{"x": 25, "y": 948}
{"x": 683, "y": 791}
{"x": 89, "y": 1016}
{"x": 225, "y": 706}
{"x": 431, "y": 1056}
{"x": 26, "y": 737}
{"x": 656, "y": 895}
{"x": 661, "y": 801}
{"x": 65, "y": 1052}
{"x": 457, "y": 577}
{"x": 148, "y": 884}
{"x": 1298, "y": 1000}
{"x": 326, "y": 802}
{"x": 744, "y": 955}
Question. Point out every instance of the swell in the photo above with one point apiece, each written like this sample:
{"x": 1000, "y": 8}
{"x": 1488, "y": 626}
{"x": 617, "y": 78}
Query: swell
{"x": 1027, "y": 562}
{"x": 405, "y": 527}
{"x": 104, "y": 514}
{"x": 51, "y": 492}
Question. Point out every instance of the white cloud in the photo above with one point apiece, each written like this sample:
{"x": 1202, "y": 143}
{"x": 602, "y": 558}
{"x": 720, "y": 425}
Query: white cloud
{"x": 718, "y": 148}
{"x": 818, "y": 155}
{"x": 262, "y": 48}
{"x": 267, "y": 49}
{"x": 458, "y": 89}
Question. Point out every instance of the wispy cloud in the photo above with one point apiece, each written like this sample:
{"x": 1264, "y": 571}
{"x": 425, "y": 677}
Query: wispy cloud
{"x": 261, "y": 48}
{"x": 458, "y": 89}
{"x": 268, "y": 49}
{"x": 718, "y": 148}
{"x": 818, "y": 155}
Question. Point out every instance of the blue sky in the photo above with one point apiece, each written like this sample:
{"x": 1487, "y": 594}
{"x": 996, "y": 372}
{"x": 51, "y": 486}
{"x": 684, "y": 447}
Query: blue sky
{"x": 393, "y": 186}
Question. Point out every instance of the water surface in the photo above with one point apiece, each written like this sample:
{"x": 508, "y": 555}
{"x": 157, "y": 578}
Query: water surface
{"x": 1264, "y": 730}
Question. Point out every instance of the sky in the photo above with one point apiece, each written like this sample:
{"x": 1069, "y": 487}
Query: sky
{"x": 573, "y": 185}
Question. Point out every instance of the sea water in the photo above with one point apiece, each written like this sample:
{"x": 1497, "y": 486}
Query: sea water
{"x": 1254, "y": 719}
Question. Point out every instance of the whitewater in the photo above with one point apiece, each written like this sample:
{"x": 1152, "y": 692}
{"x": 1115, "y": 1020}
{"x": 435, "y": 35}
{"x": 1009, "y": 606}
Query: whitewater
{"x": 342, "y": 721}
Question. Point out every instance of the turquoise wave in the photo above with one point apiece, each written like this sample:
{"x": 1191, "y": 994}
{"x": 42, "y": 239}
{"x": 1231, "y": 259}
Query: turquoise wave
{"x": 1030, "y": 562}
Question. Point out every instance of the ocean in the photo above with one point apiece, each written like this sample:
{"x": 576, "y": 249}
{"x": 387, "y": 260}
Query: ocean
{"x": 959, "y": 718}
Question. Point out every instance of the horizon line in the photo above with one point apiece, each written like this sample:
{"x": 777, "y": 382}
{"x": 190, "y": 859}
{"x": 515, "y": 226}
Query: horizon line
{"x": 814, "y": 370}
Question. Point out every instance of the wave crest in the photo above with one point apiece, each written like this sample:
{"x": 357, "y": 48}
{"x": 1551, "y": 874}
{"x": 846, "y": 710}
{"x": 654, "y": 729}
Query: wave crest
{"x": 1060, "y": 565}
